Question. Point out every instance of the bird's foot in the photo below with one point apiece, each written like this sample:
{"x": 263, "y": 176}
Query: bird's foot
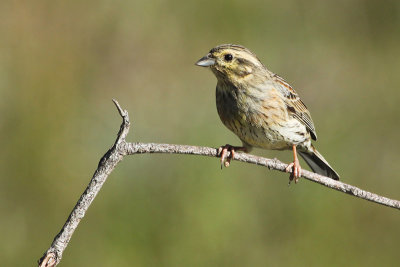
{"x": 223, "y": 153}
{"x": 295, "y": 169}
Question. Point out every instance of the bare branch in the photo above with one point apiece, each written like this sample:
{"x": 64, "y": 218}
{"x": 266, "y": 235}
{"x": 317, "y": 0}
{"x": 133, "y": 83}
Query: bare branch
{"x": 272, "y": 164}
{"x": 106, "y": 165}
{"x": 121, "y": 148}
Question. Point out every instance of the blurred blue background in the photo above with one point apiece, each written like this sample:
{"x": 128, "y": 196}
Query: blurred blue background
{"x": 61, "y": 63}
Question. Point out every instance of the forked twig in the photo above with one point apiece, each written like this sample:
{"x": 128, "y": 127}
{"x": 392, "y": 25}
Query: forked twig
{"x": 122, "y": 148}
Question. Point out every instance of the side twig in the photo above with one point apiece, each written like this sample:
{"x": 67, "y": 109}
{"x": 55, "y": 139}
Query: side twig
{"x": 122, "y": 148}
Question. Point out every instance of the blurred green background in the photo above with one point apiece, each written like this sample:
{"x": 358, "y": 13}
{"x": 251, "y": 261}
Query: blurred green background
{"x": 61, "y": 63}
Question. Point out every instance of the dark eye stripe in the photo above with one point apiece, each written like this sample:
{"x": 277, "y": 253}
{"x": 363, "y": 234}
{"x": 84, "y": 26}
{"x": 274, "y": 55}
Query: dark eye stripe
{"x": 246, "y": 62}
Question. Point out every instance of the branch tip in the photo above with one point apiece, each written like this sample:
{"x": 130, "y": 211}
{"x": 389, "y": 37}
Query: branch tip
{"x": 122, "y": 112}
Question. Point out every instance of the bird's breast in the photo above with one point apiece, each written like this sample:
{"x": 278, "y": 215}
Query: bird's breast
{"x": 258, "y": 117}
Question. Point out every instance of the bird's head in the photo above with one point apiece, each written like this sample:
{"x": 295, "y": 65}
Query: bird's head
{"x": 231, "y": 62}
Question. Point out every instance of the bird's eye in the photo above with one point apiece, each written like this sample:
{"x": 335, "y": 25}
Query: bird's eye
{"x": 228, "y": 57}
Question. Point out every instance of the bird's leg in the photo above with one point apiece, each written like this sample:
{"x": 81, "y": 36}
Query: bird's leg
{"x": 223, "y": 152}
{"x": 294, "y": 167}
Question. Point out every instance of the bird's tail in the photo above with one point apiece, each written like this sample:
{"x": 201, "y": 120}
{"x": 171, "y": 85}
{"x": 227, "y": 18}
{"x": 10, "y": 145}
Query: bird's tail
{"x": 318, "y": 164}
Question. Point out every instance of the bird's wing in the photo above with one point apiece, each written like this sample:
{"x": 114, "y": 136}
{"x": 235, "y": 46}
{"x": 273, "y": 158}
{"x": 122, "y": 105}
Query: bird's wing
{"x": 295, "y": 106}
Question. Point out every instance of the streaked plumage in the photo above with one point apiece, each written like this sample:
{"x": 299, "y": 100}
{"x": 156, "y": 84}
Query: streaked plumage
{"x": 261, "y": 108}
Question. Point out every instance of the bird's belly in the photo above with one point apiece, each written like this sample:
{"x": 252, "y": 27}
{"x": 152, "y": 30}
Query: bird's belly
{"x": 264, "y": 138}
{"x": 269, "y": 135}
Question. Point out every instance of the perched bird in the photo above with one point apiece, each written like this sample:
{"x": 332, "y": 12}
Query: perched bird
{"x": 262, "y": 109}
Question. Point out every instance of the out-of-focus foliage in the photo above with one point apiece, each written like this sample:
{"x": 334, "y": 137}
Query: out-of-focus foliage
{"x": 61, "y": 63}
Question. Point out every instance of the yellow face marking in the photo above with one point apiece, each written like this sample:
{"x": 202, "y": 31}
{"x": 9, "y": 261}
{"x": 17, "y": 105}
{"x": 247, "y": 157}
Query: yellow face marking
{"x": 234, "y": 64}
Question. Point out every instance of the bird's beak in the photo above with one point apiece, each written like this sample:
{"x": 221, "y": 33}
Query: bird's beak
{"x": 206, "y": 61}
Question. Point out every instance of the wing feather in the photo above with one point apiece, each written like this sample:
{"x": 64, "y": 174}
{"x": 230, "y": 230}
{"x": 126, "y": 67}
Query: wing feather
{"x": 295, "y": 106}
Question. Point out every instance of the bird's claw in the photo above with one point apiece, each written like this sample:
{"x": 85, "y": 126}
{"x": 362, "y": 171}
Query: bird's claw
{"x": 295, "y": 171}
{"x": 223, "y": 153}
